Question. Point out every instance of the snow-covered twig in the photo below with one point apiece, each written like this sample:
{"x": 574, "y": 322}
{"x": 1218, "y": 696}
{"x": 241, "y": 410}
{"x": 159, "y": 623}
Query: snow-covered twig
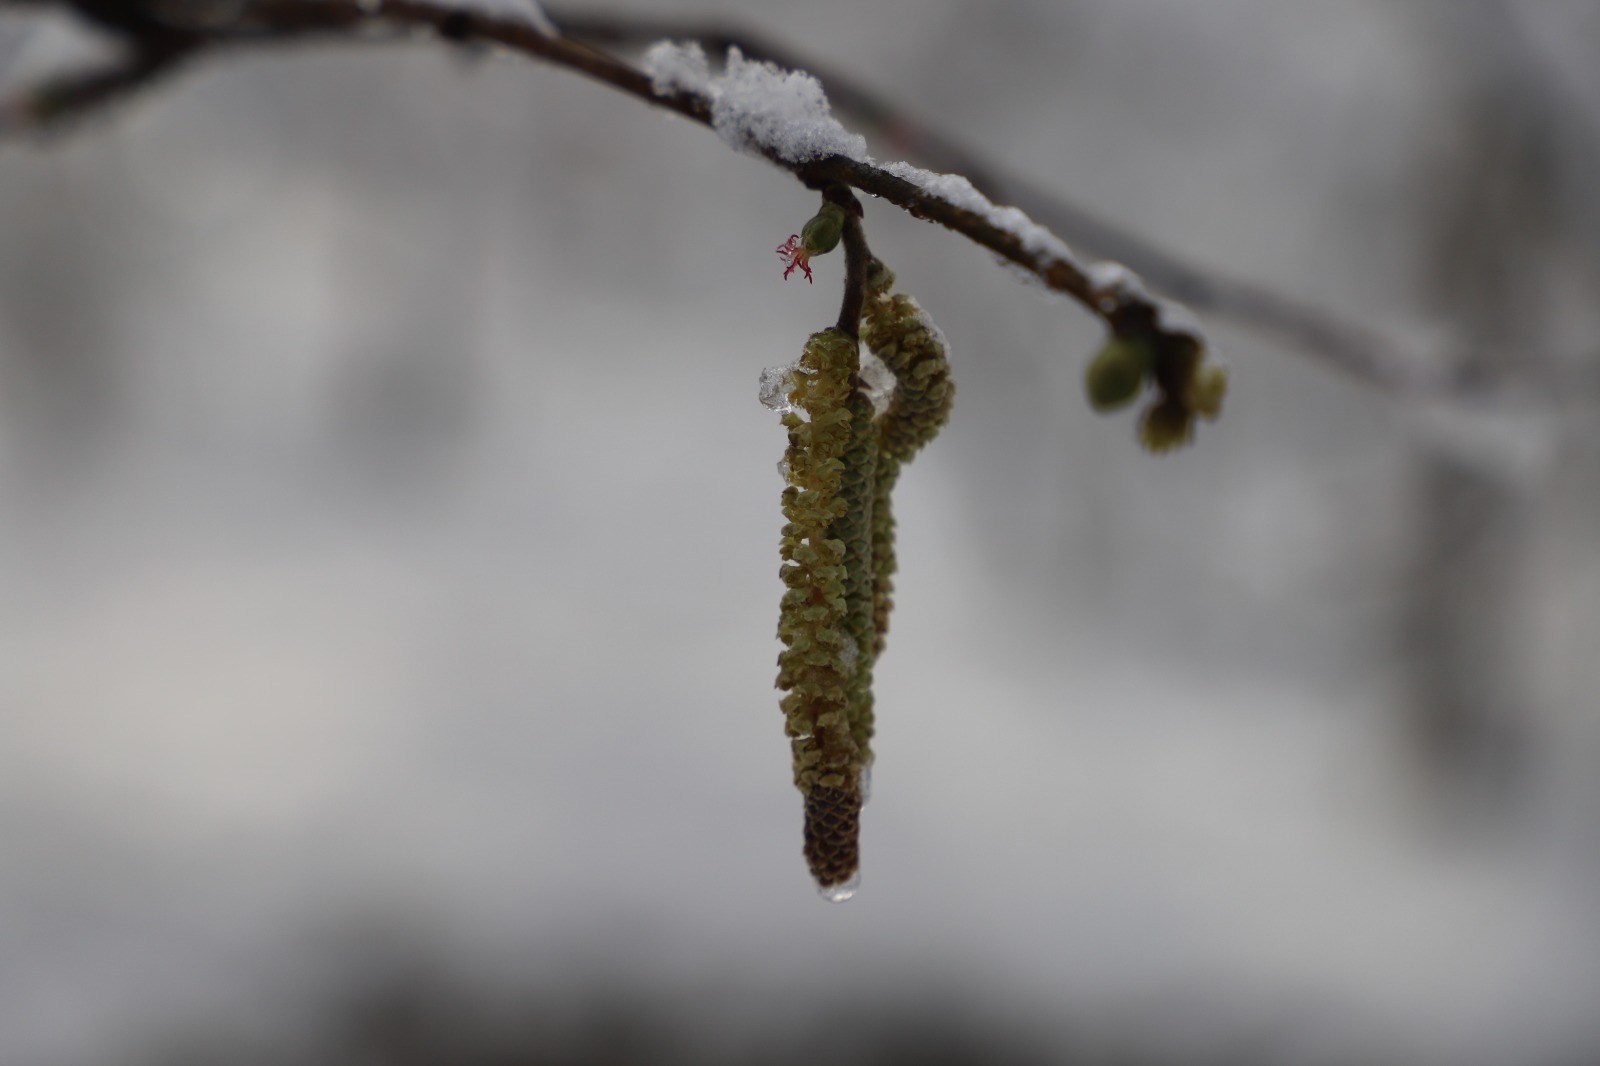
{"x": 736, "y": 104}
{"x": 1362, "y": 350}
{"x": 779, "y": 115}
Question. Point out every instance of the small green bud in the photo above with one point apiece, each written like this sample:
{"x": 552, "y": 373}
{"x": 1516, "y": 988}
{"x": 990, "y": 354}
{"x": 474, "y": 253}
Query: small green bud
{"x": 1166, "y": 425}
{"x": 1206, "y": 390}
{"x": 821, "y": 235}
{"x": 1115, "y": 375}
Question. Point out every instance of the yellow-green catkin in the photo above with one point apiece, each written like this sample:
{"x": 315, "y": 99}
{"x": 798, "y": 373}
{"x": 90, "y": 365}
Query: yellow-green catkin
{"x": 854, "y": 529}
{"x": 816, "y": 668}
{"x": 899, "y": 333}
{"x": 883, "y": 559}
{"x": 838, "y": 550}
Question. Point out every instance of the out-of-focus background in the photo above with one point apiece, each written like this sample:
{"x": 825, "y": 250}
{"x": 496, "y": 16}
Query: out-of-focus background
{"x": 388, "y": 566}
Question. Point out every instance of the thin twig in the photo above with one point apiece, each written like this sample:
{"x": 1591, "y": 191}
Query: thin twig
{"x": 55, "y": 100}
{"x": 857, "y": 257}
{"x": 1364, "y": 352}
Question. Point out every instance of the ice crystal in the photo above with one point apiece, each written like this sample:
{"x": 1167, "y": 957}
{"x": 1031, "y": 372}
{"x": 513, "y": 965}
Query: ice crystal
{"x": 776, "y": 384}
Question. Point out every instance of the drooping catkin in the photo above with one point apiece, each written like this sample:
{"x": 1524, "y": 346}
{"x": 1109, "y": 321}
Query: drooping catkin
{"x": 883, "y": 558}
{"x": 854, "y": 528}
{"x": 899, "y": 332}
{"x": 817, "y": 667}
{"x": 838, "y": 550}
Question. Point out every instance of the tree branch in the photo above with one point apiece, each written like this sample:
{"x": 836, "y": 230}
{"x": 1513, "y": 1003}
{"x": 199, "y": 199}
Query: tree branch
{"x": 1118, "y": 298}
{"x": 159, "y": 43}
{"x": 1362, "y": 351}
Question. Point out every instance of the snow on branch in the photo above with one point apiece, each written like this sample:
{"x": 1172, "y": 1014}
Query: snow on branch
{"x": 753, "y": 105}
{"x": 1367, "y": 351}
{"x": 756, "y": 106}
{"x": 782, "y": 114}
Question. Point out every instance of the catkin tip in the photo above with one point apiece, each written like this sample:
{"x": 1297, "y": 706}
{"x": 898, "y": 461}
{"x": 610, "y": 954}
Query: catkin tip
{"x": 833, "y": 834}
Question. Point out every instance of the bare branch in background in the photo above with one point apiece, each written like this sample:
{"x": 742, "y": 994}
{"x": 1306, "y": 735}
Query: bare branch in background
{"x": 160, "y": 35}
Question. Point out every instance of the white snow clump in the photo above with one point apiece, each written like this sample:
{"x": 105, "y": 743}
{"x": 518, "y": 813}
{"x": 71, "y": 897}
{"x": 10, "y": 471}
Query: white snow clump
{"x": 957, "y": 190}
{"x": 756, "y": 106}
{"x": 1171, "y": 317}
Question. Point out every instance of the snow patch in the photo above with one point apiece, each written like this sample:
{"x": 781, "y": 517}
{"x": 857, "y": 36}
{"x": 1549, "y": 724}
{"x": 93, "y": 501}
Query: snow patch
{"x": 676, "y": 66}
{"x": 1111, "y": 278}
{"x": 958, "y": 191}
{"x": 1121, "y": 283}
{"x": 756, "y": 106}
{"x": 1114, "y": 277}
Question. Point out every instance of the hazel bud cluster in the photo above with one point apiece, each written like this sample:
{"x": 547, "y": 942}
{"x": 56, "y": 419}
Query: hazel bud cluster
{"x": 1187, "y": 387}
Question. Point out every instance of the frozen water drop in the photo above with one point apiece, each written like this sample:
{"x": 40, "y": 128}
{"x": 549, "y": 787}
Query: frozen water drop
{"x": 864, "y": 784}
{"x": 776, "y": 383}
{"x": 842, "y": 891}
{"x": 783, "y": 469}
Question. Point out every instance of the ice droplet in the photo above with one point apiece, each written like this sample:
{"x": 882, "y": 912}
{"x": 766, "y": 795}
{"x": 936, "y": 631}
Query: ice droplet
{"x": 776, "y": 382}
{"x": 842, "y": 891}
{"x": 783, "y": 470}
{"x": 864, "y": 783}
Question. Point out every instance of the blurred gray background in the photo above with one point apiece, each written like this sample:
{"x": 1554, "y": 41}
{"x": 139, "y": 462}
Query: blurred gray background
{"x": 388, "y": 566}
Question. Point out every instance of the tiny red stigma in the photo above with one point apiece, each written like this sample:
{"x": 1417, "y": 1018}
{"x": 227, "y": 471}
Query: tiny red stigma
{"x": 795, "y": 255}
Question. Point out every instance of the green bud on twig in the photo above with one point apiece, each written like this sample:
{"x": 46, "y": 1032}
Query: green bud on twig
{"x": 821, "y": 235}
{"x": 1117, "y": 373}
{"x": 1173, "y": 363}
{"x": 1168, "y": 424}
{"x": 1206, "y": 389}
